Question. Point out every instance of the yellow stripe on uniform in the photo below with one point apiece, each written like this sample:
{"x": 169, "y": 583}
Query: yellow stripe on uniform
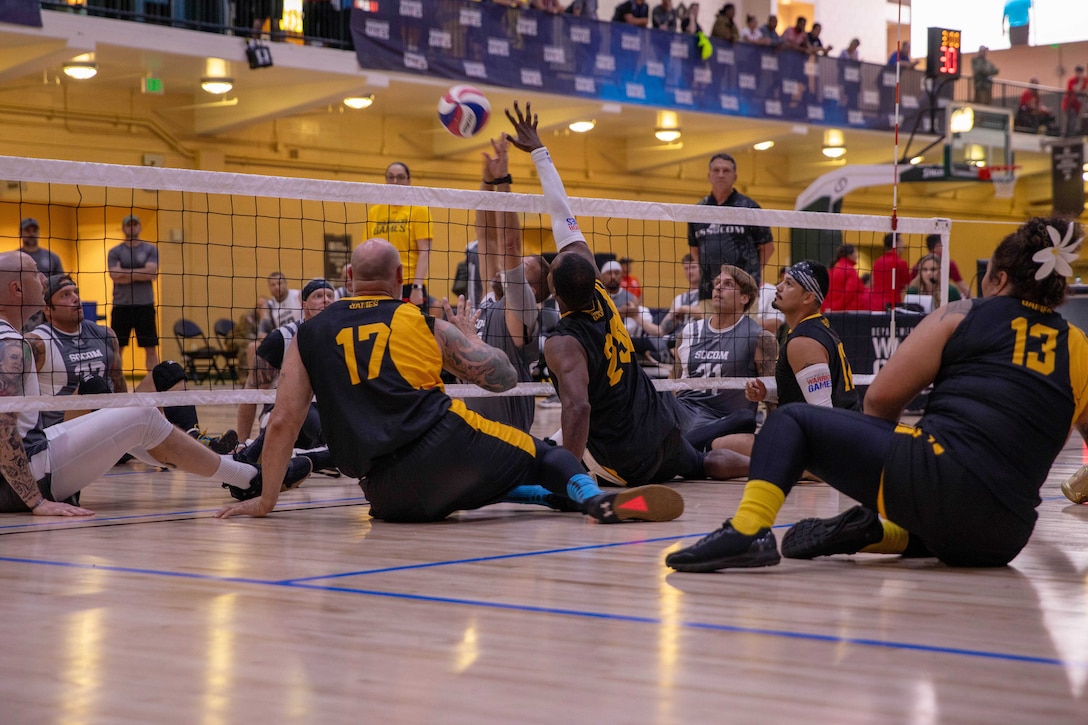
{"x": 507, "y": 434}
{"x": 1078, "y": 369}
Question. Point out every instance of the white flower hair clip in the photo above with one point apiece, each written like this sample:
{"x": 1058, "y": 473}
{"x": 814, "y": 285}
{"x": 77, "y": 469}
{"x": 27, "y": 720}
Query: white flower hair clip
{"x": 1059, "y": 256}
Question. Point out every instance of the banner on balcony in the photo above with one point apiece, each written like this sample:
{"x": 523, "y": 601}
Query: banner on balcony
{"x": 21, "y": 12}
{"x": 490, "y": 44}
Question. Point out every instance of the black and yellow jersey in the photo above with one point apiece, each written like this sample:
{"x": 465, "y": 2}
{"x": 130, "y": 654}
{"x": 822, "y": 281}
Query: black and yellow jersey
{"x": 629, "y": 419}
{"x": 1013, "y": 380}
{"x": 843, "y": 392}
{"x": 375, "y": 368}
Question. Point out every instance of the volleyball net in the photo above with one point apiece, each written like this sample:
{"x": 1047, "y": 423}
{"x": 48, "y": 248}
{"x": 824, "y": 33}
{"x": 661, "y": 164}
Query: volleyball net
{"x": 220, "y": 235}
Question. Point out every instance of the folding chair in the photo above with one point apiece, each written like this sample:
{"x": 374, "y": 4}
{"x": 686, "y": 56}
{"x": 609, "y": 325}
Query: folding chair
{"x": 198, "y": 355}
{"x": 228, "y": 345}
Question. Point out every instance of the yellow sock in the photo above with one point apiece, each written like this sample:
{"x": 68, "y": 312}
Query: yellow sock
{"x": 894, "y": 542}
{"x": 759, "y": 506}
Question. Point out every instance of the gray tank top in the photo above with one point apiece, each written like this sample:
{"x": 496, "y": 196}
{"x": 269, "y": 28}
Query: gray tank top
{"x": 707, "y": 353}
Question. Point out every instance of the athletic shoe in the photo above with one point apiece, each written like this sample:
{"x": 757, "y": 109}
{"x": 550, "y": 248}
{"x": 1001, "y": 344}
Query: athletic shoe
{"x": 848, "y": 533}
{"x": 223, "y": 445}
{"x": 297, "y": 470}
{"x": 1075, "y": 487}
{"x": 727, "y": 548}
{"x": 561, "y": 503}
{"x": 644, "y": 503}
{"x": 321, "y": 459}
{"x": 552, "y": 401}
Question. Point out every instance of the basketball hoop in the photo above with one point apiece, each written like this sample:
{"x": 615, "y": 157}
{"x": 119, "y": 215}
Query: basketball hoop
{"x": 1003, "y": 178}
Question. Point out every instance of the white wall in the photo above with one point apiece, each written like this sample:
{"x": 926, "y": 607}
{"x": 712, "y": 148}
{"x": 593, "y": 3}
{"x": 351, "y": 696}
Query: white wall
{"x": 1052, "y": 22}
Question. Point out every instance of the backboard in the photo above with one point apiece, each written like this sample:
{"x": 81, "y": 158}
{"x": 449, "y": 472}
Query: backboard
{"x": 978, "y": 137}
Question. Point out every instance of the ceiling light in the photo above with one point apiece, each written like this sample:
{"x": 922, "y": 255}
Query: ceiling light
{"x": 359, "y": 102}
{"x": 763, "y": 145}
{"x": 81, "y": 68}
{"x": 668, "y": 135}
{"x": 217, "y": 86}
{"x": 834, "y": 152}
{"x": 917, "y": 160}
{"x": 582, "y": 126}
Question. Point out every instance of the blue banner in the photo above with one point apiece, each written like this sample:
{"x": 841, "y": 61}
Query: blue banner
{"x": 21, "y": 12}
{"x": 524, "y": 49}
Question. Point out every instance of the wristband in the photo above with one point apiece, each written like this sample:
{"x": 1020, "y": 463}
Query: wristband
{"x": 40, "y": 502}
{"x": 501, "y": 180}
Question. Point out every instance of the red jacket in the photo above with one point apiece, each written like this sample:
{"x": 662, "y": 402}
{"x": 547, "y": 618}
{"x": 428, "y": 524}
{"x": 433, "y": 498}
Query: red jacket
{"x": 884, "y": 292}
{"x": 844, "y": 287}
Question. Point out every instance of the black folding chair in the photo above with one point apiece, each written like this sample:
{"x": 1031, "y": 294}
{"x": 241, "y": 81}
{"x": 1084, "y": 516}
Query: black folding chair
{"x": 228, "y": 345}
{"x": 198, "y": 355}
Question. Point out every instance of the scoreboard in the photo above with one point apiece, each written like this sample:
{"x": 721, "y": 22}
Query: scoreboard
{"x": 943, "y": 53}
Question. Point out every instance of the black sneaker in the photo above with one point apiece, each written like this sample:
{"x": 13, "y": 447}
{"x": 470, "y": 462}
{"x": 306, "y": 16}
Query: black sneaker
{"x": 223, "y": 444}
{"x": 321, "y": 459}
{"x": 561, "y": 503}
{"x": 297, "y": 470}
{"x": 644, "y": 503}
{"x": 848, "y": 533}
{"x": 727, "y": 548}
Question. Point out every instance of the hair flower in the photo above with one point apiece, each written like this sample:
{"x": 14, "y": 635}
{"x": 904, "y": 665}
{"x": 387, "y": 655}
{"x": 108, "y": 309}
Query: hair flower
{"x": 1059, "y": 256}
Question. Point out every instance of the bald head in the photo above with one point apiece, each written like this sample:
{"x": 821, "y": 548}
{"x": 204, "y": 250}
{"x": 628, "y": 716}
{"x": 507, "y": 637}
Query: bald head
{"x": 21, "y": 287}
{"x": 376, "y": 267}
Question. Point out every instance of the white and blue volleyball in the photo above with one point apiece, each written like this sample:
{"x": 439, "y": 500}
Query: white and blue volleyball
{"x": 464, "y": 111}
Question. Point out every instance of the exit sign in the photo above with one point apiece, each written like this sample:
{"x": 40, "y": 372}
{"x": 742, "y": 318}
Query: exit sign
{"x": 153, "y": 85}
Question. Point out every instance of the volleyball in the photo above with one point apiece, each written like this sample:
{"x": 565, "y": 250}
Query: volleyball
{"x": 464, "y": 111}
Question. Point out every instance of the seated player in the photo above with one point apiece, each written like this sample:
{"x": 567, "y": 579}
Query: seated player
{"x": 610, "y": 406}
{"x": 727, "y": 344}
{"x": 45, "y": 469}
{"x": 812, "y": 365}
{"x": 374, "y": 363}
{"x": 1009, "y": 381}
{"x": 645, "y": 335}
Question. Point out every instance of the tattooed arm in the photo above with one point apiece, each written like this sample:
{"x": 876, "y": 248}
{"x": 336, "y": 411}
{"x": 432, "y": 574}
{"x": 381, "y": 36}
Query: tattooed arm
{"x": 15, "y": 358}
{"x": 113, "y": 372}
{"x": 766, "y": 354}
{"x": 472, "y": 360}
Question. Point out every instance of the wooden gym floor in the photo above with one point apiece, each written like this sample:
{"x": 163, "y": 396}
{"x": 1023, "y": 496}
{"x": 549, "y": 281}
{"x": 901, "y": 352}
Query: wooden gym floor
{"x": 154, "y": 612}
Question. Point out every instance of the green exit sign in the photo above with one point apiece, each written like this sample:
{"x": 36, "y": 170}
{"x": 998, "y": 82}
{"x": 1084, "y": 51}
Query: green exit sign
{"x": 153, "y": 85}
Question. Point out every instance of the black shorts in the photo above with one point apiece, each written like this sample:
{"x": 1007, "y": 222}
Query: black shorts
{"x": 941, "y": 502}
{"x": 463, "y": 462}
{"x": 126, "y": 318}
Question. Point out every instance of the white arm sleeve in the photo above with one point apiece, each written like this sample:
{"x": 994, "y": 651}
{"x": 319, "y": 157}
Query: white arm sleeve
{"x": 564, "y": 225}
{"x": 815, "y": 382}
{"x": 520, "y": 298}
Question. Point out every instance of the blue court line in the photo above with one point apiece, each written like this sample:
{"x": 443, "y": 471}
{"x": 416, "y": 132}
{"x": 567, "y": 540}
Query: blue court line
{"x": 61, "y": 522}
{"x": 531, "y": 609}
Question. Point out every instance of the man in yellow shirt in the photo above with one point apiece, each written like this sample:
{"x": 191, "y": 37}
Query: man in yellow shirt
{"x": 409, "y": 229}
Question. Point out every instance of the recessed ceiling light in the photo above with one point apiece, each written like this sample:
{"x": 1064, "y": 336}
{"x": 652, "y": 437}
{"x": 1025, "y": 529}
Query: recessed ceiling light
{"x": 217, "y": 86}
{"x": 834, "y": 152}
{"x": 359, "y": 102}
{"x": 81, "y": 68}
{"x": 763, "y": 145}
{"x": 582, "y": 126}
{"x": 668, "y": 135}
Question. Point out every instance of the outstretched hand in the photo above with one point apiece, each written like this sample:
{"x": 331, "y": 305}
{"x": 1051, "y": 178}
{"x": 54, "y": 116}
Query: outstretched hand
{"x": 464, "y": 319}
{"x": 525, "y": 124}
{"x": 497, "y": 166}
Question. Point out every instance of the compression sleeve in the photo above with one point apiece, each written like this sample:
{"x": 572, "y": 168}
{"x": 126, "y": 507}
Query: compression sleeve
{"x": 815, "y": 382}
{"x": 520, "y": 298}
{"x": 564, "y": 225}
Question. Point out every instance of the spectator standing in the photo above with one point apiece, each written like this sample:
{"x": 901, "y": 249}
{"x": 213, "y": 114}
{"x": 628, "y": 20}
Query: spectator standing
{"x": 901, "y": 57}
{"x": 750, "y": 33}
{"x": 1076, "y": 91}
{"x": 1018, "y": 18}
{"x": 795, "y": 37}
{"x": 633, "y": 12}
{"x": 715, "y": 244}
{"x": 664, "y": 16}
{"x": 689, "y": 18}
{"x": 816, "y": 46}
{"x": 725, "y": 26}
{"x": 983, "y": 71}
{"x": 583, "y": 8}
{"x": 770, "y": 32}
{"x": 850, "y": 52}
{"x": 409, "y": 229}
{"x": 844, "y": 287}
{"x": 134, "y": 268}
{"x": 891, "y": 273}
{"x": 48, "y": 262}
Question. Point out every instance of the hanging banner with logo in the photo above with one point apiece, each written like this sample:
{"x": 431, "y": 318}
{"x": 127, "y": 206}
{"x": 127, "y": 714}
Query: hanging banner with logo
{"x": 490, "y": 44}
{"x": 21, "y": 12}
